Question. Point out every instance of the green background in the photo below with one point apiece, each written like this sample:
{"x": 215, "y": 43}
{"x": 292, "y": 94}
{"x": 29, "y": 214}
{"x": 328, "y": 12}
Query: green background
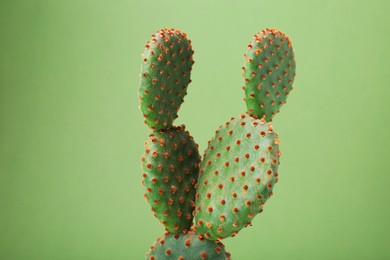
{"x": 71, "y": 134}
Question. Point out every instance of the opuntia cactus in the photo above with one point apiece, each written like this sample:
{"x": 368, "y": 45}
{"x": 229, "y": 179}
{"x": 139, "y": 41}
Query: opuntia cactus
{"x": 186, "y": 247}
{"x": 237, "y": 175}
{"x": 269, "y": 73}
{"x": 165, "y": 75}
{"x": 171, "y": 167}
{"x": 228, "y": 187}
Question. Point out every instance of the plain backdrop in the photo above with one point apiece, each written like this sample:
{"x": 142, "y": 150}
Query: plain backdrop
{"x": 71, "y": 133}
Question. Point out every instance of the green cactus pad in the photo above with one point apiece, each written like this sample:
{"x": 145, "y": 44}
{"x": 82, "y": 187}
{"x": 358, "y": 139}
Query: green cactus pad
{"x": 237, "y": 175}
{"x": 171, "y": 169}
{"x": 269, "y": 73}
{"x": 165, "y": 75}
{"x": 189, "y": 246}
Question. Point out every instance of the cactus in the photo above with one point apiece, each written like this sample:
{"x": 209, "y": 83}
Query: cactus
{"x": 185, "y": 247}
{"x": 227, "y": 188}
{"x": 165, "y": 75}
{"x": 237, "y": 174}
{"x": 269, "y": 73}
{"x": 171, "y": 167}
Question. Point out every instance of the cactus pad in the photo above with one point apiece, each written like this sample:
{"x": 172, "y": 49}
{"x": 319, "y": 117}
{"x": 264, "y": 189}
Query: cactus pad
{"x": 171, "y": 168}
{"x": 190, "y": 246}
{"x": 237, "y": 175}
{"x": 165, "y": 75}
{"x": 269, "y": 73}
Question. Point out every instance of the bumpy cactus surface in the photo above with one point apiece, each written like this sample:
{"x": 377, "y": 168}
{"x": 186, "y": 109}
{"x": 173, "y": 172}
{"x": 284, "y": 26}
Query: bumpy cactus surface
{"x": 165, "y": 75}
{"x": 201, "y": 201}
{"x": 186, "y": 247}
{"x": 238, "y": 172}
{"x": 171, "y": 167}
{"x": 269, "y": 73}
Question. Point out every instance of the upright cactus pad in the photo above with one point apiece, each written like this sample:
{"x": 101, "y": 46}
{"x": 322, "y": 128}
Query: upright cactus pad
{"x": 269, "y": 73}
{"x": 165, "y": 75}
{"x": 237, "y": 175}
{"x": 171, "y": 168}
{"x": 190, "y": 246}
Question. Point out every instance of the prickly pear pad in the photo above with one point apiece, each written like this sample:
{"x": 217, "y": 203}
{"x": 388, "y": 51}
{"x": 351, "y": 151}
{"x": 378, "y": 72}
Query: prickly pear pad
{"x": 171, "y": 169}
{"x": 237, "y": 175}
{"x": 165, "y": 75}
{"x": 190, "y": 246}
{"x": 269, "y": 73}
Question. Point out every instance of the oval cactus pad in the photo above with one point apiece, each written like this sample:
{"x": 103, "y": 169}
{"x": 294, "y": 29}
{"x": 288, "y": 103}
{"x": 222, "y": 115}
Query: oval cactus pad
{"x": 189, "y": 246}
{"x": 237, "y": 175}
{"x": 165, "y": 75}
{"x": 269, "y": 73}
{"x": 171, "y": 168}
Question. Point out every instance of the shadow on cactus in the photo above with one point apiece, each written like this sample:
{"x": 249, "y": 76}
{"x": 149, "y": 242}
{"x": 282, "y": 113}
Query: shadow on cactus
{"x": 201, "y": 201}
